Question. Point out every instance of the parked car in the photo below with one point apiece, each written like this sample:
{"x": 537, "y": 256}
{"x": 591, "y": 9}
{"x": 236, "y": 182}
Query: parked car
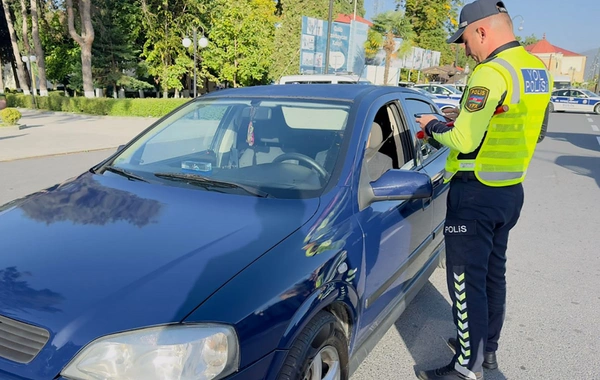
{"x": 574, "y": 100}
{"x": 441, "y": 91}
{"x": 442, "y": 103}
{"x": 239, "y": 237}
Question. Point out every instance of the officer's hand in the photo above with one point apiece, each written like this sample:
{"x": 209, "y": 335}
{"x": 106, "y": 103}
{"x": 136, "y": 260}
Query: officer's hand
{"x": 423, "y": 120}
{"x": 451, "y": 113}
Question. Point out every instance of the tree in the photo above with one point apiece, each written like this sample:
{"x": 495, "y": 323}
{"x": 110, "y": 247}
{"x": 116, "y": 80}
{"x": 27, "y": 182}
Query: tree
{"x": 166, "y": 22}
{"x": 84, "y": 40}
{"x": 15, "y": 47}
{"x": 118, "y": 25}
{"x": 387, "y": 26}
{"x": 529, "y": 40}
{"x": 433, "y": 21}
{"x": 241, "y": 35}
{"x": 39, "y": 50}
{"x": 62, "y": 53}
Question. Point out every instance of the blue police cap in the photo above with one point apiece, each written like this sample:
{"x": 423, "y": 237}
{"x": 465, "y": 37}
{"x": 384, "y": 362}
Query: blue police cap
{"x": 476, "y": 11}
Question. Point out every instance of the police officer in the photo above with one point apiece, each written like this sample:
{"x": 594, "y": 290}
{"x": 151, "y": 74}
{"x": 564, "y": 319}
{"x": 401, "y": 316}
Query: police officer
{"x": 488, "y": 160}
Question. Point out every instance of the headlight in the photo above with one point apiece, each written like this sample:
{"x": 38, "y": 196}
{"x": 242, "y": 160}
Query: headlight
{"x": 177, "y": 352}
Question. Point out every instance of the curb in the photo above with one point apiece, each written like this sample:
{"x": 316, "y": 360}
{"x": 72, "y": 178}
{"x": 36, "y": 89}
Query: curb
{"x": 57, "y": 154}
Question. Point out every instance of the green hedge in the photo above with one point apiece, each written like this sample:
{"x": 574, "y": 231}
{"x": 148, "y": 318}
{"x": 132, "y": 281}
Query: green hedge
{"x": 149, "y": 107}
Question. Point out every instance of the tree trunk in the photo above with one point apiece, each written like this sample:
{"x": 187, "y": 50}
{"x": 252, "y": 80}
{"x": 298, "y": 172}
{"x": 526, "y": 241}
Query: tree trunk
{"x": 27, "y": 46}
{"x": 1, "y": 78}
{"x": 39, "y": 51}
{"x": 15, "y": 46}
{"x": 84, "y": 40}
{"x": 388, "y": 46}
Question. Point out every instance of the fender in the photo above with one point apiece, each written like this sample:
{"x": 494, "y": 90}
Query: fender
{"x": 320, "y": 299}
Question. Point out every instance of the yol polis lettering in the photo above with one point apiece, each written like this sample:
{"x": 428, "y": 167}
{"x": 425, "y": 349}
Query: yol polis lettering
{"x": 536, "y": 81}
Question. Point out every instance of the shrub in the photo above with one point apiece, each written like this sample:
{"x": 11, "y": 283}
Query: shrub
{"x": 149, "y": 107}
{"x": 10, "y": 116}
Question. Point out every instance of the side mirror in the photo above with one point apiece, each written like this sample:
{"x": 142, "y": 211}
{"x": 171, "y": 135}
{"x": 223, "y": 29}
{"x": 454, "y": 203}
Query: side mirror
{"x": 120, "y": 147}
{"x": 397, "y": 185}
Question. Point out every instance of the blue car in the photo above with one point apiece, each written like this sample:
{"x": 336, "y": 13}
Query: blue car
{"x": 270, "y": 232}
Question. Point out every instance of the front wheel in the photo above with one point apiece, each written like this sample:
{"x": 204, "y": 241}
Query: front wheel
{"x": 319, "y": 353}
{"x": 551, "y": 107}
{"x": 597, "y": 109}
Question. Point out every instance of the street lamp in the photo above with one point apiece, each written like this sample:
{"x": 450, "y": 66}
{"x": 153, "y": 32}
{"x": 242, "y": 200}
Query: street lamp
{"x": 522, "y": 21}
{"x": 202, "y": 43}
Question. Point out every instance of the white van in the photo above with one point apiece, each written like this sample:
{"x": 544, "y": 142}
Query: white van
{"x": 323, "y": 79}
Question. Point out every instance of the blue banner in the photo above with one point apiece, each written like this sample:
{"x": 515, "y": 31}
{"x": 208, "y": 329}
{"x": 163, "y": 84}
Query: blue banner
{"x": 313, "y": 47}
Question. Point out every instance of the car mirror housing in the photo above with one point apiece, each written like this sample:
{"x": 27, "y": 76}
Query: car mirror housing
{"x": 397, "y": 185}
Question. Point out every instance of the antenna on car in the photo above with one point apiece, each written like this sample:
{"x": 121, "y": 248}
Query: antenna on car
{"x": 361, "y": 73}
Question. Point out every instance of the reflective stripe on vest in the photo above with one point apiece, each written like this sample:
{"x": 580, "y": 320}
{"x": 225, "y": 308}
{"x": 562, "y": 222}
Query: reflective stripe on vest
{"x": 499, "y": 176}
{"x": 516, "y": 92}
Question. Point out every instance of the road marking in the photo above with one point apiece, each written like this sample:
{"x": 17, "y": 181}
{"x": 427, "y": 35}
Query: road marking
{"x": 595, "y": 128}
{"x": 590, "y": 120}
{"x": 588, "y": 115}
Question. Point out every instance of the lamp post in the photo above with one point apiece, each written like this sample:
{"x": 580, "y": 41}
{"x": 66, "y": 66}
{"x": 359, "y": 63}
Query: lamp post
{"x": 522, "y": 21}
{"x": 203, "y": 42}
{"x": 29, "y": 61}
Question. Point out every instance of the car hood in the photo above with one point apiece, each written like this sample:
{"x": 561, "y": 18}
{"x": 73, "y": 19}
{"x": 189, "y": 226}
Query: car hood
{"x": 100, "y": 253}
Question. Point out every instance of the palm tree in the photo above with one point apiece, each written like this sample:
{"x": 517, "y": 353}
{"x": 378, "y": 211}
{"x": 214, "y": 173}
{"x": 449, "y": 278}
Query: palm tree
{"x": 386, "y": 27}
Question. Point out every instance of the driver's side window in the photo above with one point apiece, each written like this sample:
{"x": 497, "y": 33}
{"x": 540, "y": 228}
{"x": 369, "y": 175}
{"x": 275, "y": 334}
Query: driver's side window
{"x": 415, "y": 107}
{"x": 385, "y": 149}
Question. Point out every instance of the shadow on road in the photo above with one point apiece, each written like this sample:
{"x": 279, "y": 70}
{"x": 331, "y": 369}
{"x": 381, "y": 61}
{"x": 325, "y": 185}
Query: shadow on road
{"x": 425, "y": 327}
{"x": 12, "y": 137}
{"x": 582, "y": 140}
{"x": 30, "y": 126}
{"x": 581, "y": 165}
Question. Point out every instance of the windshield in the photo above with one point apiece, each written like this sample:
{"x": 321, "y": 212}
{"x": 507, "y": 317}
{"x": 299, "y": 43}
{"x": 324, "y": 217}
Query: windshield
{"x": 286, "y": 148}
{"x": 589, "y": 93}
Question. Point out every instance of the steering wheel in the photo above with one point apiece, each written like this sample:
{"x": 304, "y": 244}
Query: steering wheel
{"x": 304, "y": 158}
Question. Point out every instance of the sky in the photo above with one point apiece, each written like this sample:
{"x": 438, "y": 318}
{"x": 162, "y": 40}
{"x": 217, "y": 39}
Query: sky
{"x": 573, "y": 25}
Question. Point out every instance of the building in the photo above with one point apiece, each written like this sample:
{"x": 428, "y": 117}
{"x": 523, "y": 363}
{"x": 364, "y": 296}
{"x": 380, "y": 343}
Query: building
{"x": 564, "y": 65}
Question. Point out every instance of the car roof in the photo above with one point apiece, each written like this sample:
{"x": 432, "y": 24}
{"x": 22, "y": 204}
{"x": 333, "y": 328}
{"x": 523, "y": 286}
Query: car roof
{"x": 344, "y": 92}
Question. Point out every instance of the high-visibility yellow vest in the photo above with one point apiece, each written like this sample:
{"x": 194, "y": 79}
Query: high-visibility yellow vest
{"x": 511, "y": 137}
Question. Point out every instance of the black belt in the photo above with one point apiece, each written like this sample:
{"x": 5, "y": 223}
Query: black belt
{"x": 470, "y": 176}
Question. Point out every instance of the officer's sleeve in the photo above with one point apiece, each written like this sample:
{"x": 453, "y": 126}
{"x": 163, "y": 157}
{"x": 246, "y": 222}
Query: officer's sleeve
{"x": 486, "y": 91}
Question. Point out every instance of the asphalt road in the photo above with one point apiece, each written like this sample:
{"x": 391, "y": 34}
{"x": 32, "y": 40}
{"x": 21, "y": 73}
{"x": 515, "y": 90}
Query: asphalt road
{"x": 552, "y": 326}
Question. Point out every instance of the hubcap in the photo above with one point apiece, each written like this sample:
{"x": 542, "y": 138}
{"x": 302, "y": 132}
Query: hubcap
{"x": 325, "y": 365}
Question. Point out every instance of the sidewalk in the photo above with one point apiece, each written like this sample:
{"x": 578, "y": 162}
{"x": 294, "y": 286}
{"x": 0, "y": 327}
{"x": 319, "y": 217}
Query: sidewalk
{"x": 44, "y": 133}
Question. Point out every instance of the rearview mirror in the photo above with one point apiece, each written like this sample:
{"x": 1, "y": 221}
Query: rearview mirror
{"x": 397, "y": 185}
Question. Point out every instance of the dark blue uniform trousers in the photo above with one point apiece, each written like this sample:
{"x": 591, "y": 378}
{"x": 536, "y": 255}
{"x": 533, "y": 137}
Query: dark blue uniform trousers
{"x": 478, "y": 221}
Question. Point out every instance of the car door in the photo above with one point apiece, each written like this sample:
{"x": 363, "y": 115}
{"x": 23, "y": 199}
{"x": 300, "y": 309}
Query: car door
{"x": 582, "y": 103}
{"x": 557, "y": 100}
{"x": 432, "y": 159}
{"x": 397, "y": 234}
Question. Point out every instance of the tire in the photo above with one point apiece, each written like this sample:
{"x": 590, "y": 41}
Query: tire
{"x": 551, "y": 107}
{"x": 597, "y": 109}
{"x": 322, "y": 340}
